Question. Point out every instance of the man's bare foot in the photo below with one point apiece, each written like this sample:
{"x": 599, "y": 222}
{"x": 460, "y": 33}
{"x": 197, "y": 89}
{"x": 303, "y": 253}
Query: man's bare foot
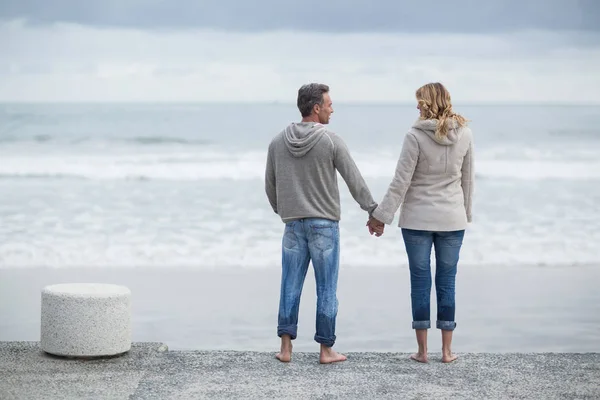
{"x": 420, "y": 357}
{"x": 285, "y": 354}
{"x": 329, "y": 356}
{"x": 449, "y": 357}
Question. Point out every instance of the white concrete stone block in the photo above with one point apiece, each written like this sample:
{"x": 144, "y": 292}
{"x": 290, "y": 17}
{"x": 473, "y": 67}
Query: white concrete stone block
{"x": 86, "y": 319}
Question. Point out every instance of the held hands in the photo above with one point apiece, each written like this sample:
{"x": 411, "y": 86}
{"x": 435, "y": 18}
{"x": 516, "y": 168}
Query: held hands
{"x": 375, "y": 226}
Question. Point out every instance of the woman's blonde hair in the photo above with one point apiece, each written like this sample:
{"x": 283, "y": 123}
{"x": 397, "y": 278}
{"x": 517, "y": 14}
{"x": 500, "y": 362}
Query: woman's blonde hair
{"x": 434, "y": 103}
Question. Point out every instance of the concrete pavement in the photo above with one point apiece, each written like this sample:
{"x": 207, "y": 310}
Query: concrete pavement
{"x": 150, "y": 371}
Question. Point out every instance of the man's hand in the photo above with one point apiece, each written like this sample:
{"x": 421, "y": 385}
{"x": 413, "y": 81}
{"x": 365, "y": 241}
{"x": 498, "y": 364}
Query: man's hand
{"x": 375, "y": 226}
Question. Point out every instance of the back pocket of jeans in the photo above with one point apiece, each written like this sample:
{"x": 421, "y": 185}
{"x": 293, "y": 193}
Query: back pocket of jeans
{"x": 322, "y": 236}
{"x": 416, "y": 237}
{"x": 289, "y": 239}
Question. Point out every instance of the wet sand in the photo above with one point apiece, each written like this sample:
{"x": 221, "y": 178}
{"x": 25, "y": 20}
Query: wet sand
{"x": 499, "y": 309}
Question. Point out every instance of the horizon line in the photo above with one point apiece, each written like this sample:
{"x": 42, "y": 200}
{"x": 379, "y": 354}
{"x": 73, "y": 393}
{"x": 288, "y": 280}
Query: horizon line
{"x": 287, "y": 103}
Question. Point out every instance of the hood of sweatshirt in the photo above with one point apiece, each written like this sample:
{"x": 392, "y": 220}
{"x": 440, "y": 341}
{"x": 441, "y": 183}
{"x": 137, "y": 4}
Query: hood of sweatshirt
{"x": 429, "y": 126}
{"x": 301, "y": 137}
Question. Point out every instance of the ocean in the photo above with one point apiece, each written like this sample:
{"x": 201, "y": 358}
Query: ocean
{"x": 150, "y": 185}
{"x": 165, "y": 187}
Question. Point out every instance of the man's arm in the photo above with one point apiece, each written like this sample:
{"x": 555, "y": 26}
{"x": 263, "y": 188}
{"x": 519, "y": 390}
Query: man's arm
{"x": 405, "y": 169}
{"x": 270, "y": 181}
{"x": 347, "y": 168}
{"x": 468, "y": 180}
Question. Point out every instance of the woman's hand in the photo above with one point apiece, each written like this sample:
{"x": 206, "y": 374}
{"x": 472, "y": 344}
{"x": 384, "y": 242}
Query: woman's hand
{"x": 375, "y": 226}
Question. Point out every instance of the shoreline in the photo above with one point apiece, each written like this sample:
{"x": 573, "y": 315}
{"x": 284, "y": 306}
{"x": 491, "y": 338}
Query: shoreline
{"x": 499, "y": 310}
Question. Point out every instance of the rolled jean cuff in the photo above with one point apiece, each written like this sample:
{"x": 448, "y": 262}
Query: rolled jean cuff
{"x": 325, "y": 341}
{"x": 446, "y": 325}
{"x": 291, "y": 330}
{"x": 421, "y": 324}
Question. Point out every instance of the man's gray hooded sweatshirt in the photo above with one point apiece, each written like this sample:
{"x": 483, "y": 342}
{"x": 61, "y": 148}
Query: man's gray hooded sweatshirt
{"x": 301, "y": 178}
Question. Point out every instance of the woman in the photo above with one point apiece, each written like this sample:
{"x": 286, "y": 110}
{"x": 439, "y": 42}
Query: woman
{"x": 434, "y": 183}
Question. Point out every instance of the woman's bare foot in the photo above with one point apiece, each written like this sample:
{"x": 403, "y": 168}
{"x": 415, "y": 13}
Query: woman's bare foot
{"x": 421, "y": 354}
{"x": 329, "y": 356}
{"x": 448, "y": 357}
{"x": 420, "y": 357}
{"x": 285, "y": 355}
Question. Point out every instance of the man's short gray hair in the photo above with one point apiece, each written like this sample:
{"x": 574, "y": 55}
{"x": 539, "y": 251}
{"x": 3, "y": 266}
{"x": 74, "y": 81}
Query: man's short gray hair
{"x": 309, "y": 95}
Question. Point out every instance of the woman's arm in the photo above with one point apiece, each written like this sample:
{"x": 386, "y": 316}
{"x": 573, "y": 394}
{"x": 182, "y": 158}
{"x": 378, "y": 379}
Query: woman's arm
{"x": 404, "y": 172}
{"x": 468, "y": 180}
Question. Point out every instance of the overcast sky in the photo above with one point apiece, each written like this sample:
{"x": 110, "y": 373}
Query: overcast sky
{"x": 263, "y": 50}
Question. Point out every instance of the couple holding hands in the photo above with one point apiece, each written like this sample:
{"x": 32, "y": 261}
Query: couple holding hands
{"x": 433, "y": 182}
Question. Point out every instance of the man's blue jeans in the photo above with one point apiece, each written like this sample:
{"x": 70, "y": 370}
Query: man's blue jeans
{"x": 447, "y": 249}
{"x": 304, "y": 240}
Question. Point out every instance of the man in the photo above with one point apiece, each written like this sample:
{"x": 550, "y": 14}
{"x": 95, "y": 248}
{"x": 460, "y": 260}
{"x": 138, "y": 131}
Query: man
{"x": 301, "y": 184}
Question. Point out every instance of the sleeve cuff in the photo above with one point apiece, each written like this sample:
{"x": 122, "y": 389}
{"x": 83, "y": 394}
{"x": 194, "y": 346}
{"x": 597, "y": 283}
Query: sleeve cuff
{"x": 384, "y": 217}
{"x": 371, "y": 209}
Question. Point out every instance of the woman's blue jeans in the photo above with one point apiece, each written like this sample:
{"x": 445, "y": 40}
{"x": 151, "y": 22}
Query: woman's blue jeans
{"x": 447, "y": 249}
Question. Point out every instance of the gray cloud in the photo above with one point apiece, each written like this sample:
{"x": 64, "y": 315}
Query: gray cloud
{"x": 465, "y": 16}
{"x": 87, "y": 63}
